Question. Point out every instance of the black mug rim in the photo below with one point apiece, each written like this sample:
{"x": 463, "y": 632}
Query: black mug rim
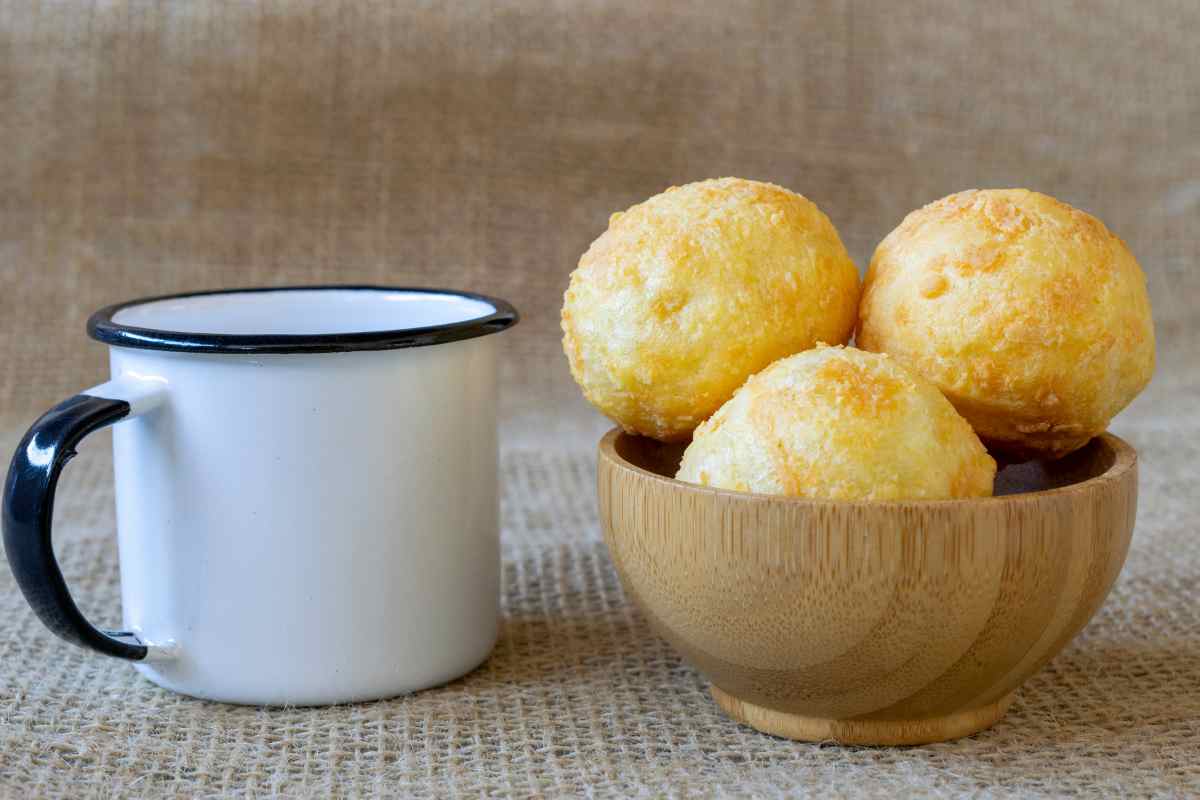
{"x": 102, "y": 328}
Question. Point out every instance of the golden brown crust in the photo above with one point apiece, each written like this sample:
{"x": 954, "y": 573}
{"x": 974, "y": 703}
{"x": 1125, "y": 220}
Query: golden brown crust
{"x": 689, "y": 293}
{"x": 839, "y": 423}
{"x": 1029, "y": 314}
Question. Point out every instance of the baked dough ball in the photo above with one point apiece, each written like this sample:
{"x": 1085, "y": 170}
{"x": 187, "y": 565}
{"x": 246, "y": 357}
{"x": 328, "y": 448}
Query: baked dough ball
{"x": 1029, "y": 314}
{"x": 691, "y": 292}
{"x": 841, "y": 424}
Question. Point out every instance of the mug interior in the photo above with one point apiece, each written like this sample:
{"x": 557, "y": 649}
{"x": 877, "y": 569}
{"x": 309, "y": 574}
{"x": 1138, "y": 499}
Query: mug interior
{"x": 304, "y": 312}
{"x": 301, "y": 319}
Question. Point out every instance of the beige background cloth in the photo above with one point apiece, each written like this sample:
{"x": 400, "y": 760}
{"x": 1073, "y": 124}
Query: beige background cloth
{"x": 149, "y": 148}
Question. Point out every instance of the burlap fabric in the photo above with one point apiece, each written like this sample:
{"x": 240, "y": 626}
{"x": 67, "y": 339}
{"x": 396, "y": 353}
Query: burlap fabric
{"x": 152, "y": 148}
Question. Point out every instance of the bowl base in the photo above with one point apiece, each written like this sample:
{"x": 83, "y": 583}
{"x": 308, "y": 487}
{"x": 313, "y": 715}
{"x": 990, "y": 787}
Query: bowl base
{"x": 862, "y": 731}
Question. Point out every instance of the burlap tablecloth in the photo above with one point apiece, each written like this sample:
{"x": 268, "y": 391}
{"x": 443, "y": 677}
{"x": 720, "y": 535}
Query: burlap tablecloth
{"x": 151, "y": 148}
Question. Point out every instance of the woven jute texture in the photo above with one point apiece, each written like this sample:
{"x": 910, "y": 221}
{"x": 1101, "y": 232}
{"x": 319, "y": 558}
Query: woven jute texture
{"x": 157, "y": 147}
{"x": 581, "y": 698}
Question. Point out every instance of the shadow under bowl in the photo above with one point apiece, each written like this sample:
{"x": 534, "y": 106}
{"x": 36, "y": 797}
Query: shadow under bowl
{"x": 868, "y": 622}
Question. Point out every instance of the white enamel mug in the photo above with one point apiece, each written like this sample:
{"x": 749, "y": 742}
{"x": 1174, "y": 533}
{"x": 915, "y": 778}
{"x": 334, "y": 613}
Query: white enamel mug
{"x": 306, "y": 485}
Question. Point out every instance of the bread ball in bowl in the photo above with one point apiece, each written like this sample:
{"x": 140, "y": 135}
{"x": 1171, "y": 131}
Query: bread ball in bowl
{"x": 694, "y": 290}
{"x": 1030, "y": 315}
{"x": 841, "y": 424}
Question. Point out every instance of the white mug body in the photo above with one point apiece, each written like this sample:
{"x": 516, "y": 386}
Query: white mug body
{"x": 308, "y": 527}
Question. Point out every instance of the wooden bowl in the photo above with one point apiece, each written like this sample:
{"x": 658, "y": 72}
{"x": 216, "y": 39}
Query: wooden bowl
{"x": 868, "y": 622}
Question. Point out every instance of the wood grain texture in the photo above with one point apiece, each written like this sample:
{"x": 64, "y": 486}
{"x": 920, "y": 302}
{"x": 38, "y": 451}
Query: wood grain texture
{"x": 868, "y": 622}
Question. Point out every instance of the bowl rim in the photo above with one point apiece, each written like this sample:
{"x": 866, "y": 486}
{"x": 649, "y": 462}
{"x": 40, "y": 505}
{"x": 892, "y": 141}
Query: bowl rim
{"x": 1124, "y": 462}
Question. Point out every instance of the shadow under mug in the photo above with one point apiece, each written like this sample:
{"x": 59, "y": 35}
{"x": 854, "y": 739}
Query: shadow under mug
{"x": 306, "y": 487}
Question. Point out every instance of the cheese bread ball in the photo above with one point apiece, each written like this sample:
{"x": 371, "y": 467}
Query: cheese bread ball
{"x": 842, "y": 424}
{"x": 691, "y": 292}
{"x": 1029, "y": 314}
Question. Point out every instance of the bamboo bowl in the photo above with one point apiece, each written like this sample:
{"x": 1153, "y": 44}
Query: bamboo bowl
{"x": 878, "y": 623}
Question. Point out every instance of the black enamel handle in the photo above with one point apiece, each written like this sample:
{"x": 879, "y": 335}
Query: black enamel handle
{"x": 29, "y": 511}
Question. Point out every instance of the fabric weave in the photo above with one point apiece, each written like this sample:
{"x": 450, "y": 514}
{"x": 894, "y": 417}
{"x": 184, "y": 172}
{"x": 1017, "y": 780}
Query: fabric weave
{"x": 154, "y": 148}
{"x": 581, "y": 698}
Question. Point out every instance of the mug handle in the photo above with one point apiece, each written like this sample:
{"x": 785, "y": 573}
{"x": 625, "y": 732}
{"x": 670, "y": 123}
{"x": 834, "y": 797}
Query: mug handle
{"x": 28, "y": 509}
